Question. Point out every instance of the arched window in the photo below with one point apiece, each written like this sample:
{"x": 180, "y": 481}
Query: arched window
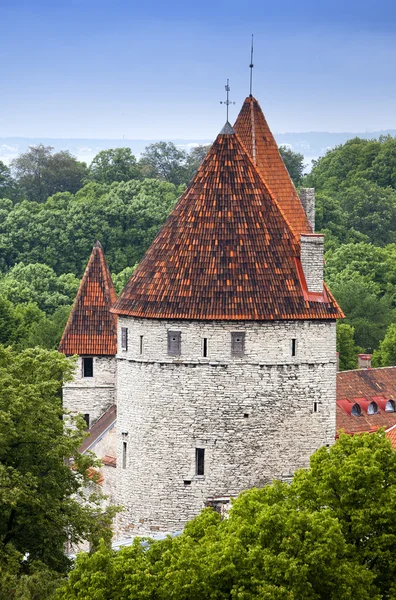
{"x": 390, "y": 406}
{"x": 372, "y": 408}
{"x": 356, "y": 410}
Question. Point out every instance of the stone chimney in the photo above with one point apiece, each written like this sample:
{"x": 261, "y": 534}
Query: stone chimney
{"x": 312, "y": 260}
{"x": 307, "y": 197}
{"x": 364, "y": 361}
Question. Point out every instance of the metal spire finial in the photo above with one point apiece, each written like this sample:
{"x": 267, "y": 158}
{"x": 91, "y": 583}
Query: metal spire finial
{"x": 228, "y": 101}
{"x": 251, "y": 68}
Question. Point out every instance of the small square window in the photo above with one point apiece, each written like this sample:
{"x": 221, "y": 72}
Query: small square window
{"x": 237, "y": 343}
{"x": 124, "y": 338}
{"x": 200, "y": 461}
{"x": 174, "y": 343}
{"x": 87, "y": 366}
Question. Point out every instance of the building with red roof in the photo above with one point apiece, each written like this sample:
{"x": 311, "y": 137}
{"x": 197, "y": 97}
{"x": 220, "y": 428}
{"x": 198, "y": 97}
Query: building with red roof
{"x": 220, "y": 351}
{"x": 91, "y": 334}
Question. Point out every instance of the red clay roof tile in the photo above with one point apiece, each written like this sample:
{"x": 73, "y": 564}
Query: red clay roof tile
{"x": 364, "y": 386}
{"x": 256, "y": 136}
{"x": 91, "y": 328}
{"x": 225, "y": 252}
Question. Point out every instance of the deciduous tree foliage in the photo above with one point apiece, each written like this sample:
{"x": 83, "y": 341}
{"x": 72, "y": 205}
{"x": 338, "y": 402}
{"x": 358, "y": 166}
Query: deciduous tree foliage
{"x": 346, "y": 347}
{"x": 43, "y": 501}
{"x": 385, "y": 356}
{"x": 114, "y": 165}
{"x": 40, "y": 174}
{"x": 330, "y": 535}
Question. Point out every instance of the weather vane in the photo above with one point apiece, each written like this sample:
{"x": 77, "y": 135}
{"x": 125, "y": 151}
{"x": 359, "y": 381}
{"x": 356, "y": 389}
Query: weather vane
{"x": 228, "y": 101}
{"x": 251, "y": 67}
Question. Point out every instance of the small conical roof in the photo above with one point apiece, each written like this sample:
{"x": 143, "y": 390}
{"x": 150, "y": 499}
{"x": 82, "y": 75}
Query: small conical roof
{"x": 256, "y": 136}
{"x": 91, "y": 328}
{"x": 225, "y": 252}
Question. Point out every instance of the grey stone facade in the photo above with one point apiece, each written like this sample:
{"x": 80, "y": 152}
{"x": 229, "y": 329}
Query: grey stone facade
{"x": 312, "y": 260}
{"x": 307, "y": 197}
{"x": 258, "y": 416}
{"x": 92, "y": 395}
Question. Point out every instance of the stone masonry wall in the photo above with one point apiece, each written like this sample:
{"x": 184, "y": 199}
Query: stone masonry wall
{"x": 254, "y": 415}
{"x": 92, "y": 395}
{"x": 312, "y": 261}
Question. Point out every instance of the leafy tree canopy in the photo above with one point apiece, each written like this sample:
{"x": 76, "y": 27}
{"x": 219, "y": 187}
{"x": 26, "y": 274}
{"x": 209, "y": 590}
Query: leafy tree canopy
{"x": 40, "y": 173}
{"x": 38, "y": 283}
{"x": 329, "y": 535}
{"x": 118, "y": 164}
{"x": 385, "y": 356}
{"x": 43, "y": 501}
{"x": 163, "y": 160}
{"x": 346, "y": 347}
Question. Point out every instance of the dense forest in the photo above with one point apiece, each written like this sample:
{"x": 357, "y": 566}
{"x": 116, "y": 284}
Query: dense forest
{"x": 53, "y": 208}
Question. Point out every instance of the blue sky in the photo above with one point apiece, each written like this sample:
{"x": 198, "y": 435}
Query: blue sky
{"x": 152, "y": 69}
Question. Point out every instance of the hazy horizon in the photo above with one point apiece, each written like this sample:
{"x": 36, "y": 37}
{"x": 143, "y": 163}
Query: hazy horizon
{"x": 154, "y": 70}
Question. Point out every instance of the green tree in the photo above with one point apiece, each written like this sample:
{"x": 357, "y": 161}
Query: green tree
{"x": 385, "y": 356}
{"x": 38, "y": 283}
{"x": 118, "y": 164}
{"x": 44, "y": 503}
{"x": 163, "y": 160}
{"x": 8, "y": 321}
{"x": 329, "y": 535}
{"x": 8, "y": 187}
{"x": 346, "y": 347}
{"x": 121, "y": 279}
{"x": 40, "y": 174}
{"x": 294, "y": 162}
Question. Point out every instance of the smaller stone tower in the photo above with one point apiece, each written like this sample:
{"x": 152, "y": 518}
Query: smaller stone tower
{"x": 91, "y": 333}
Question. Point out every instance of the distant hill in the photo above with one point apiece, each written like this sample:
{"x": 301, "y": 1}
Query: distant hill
{"x": 311, "y": 144}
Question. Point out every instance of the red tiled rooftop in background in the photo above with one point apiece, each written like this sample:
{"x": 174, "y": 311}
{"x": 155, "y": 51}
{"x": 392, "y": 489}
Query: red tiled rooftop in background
{"x": 391, "y": 435}
{"x": 91, "y": 328}
{"x": 373, "y": 385}
{"x": 225, "y": 252}
{"x": 256, "y": 136}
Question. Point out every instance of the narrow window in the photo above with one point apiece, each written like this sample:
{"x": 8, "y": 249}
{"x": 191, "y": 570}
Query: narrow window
{"x": 141, "y": 344}
{"x": 315, "y": 406}
{"x": 87, "y": 366}
{"x": 205, "y": 347}
{"x": 294, "y": 347}
{"x": 124, "y": 455}
{"x": 124, "y": 338}
{"x": 200, "y": 461}
{"x": 174, "y": 343}
{"x": 237, "y": 343}
{"x": 86, "y": 419}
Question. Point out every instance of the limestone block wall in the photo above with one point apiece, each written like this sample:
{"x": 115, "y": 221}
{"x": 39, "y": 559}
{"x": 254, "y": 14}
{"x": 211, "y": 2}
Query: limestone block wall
{"x": 92, "y": 395}
{"x": 312, "y": 260}
{"x": 258, "y": 416}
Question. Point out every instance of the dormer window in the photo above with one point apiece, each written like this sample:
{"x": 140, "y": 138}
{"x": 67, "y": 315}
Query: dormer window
{"x": 356, "y": 411}
{"x": 372, "y": 408}
{"x": 237, "y": 343}
{"x": 390, "y": 406}
{"x": 87, "y": 366}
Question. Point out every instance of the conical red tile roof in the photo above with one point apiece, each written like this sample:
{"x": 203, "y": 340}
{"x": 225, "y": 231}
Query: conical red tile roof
{"x": 258, "y": 140}
{"x": 91, "y": 328}
{"x": 225, "y": 252}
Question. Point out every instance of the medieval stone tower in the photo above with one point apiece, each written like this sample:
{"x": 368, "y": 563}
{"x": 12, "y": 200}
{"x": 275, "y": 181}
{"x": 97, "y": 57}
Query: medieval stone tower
{"x": 226, "y": 359}
{"x": 91, "y": 333}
